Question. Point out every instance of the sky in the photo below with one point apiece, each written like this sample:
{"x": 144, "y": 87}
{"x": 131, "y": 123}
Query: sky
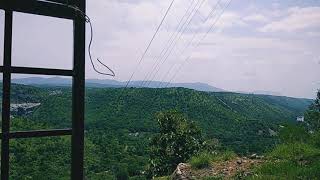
{"x": 266, "y": 45}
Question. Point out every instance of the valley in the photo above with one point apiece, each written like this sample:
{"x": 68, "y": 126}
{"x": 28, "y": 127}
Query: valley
{"x": 120, "y": 123}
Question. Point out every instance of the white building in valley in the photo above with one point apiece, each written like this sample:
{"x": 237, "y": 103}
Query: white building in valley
{"x": 300, "y": 119}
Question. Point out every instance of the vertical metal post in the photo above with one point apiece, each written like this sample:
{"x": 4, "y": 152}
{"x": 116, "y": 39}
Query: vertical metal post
{"x": 78, "y": 92}
{"x": 6, "y": 95}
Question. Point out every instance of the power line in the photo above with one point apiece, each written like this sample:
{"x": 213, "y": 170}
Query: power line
{"x": 171, "y": 47}
{"x": 194, "y": 34}
{"x": 205, "y": 35}
{"x": 173, "y": 44}
{"x": 176, "y": 73}
{"x": 153, "y": 37}
{"x": 177, "y": 29}
{"x": 190, "y": 42}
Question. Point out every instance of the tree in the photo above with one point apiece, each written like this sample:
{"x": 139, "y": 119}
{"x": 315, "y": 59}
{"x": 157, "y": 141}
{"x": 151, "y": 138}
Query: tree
{"x": 317, "y": 101}
{"x": 177, "y": 141}
{"x": 294, "y": 133}
{"x": 312, "y": 115}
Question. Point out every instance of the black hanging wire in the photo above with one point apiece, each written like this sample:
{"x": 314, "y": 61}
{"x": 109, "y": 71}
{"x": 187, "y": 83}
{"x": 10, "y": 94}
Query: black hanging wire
{"x": 88, "y": 20}
{"x": 89, "y": 51}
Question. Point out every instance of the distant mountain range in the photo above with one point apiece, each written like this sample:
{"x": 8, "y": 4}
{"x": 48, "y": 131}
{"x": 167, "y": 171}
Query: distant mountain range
{"x": 107, "y": 83}
{"x": 98, "y": 83}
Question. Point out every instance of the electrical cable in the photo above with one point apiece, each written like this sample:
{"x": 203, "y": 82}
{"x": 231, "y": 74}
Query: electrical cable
{"x": 205, "y": 35}
{"x": 173, "y": 44}
{"x": 190, "y": 42}
{"x": 88, "y": 20}
{"x": 177, "y": 29}
{"x": 151, "y": 41}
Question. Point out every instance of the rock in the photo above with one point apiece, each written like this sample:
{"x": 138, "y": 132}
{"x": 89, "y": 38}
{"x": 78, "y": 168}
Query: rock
{"x": 272, "y": 132}
{"x": 239, "y": 161}
{"x": 182, "y": 172}
{"x": 253, "y": 156}
{"x": 23, "y": 108}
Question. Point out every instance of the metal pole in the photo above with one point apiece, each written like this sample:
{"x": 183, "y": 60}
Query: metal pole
{"x": 6, "y": 96}
{"x": 78, "y": 89}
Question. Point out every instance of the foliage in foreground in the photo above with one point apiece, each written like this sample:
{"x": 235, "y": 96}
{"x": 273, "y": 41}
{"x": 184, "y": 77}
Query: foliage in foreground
{"x": 204, "y": 159}
{"x": 46, "y": 158}
{"x": 312, "y": 116}
{"x": 298, "y": 157}
{"x": 177, "y": 141}
{"x": 291, "y": 161}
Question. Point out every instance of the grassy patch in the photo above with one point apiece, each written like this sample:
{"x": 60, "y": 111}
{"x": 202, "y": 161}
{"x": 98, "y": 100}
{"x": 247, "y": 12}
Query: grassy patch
{"x": 204, "y": 159}
{"x": 225, "y": 156}
{"x": 201, "y": 161}
{"x": 162, "y": 178}
{"x": 295, "y": 152}
{"x": 287, "y": 170}
{"x": 291, "y": 161}
{"x": 212, "y": 178}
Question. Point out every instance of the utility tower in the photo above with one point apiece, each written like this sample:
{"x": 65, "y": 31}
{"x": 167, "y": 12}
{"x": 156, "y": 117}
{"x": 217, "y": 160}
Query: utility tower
{"x": 65, "y": 9}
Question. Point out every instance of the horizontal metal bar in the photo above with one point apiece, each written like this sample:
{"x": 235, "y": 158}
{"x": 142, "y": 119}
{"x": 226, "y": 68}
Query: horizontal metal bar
{"x": 39, "y": 8}
{"x": 40, "y": 133}
{"x": 39, "y": 71}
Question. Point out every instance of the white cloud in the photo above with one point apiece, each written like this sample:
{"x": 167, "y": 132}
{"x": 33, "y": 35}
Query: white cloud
{"x": 313, "y": 33}
{"x": 123, "y": 28}
{"x": 297, "y": 18}
{"x": 259, "y": 18}
{"x": 226, "y": 20}
{"x": 244, "y": 47}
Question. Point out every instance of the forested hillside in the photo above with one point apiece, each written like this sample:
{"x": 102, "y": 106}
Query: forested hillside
{"x": 120, "y": 122}
{"x": 235, "y": 119}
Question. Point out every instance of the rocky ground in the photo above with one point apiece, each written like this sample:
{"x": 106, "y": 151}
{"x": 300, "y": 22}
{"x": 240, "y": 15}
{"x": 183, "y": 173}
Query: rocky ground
{"x": 238, "y": 167}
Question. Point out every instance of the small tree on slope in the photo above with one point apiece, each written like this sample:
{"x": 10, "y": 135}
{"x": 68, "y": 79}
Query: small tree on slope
{"x": 177, "y": 141}
{"x": 312, "y": 115}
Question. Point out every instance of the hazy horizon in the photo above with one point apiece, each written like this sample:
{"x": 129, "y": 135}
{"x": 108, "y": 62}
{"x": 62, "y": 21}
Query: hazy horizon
{"x": 255, "y": 46}
{"x": 22, "y": 77}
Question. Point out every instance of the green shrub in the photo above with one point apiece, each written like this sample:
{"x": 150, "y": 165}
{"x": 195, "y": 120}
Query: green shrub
{"x": 204, "y": 159}
{"x": 177, "y": 141}
{"x": 212, "y": 178}
{"x": 287, "y": 170}
{"x": 122, "y": 174}
{"x": 162, "y": 178}
{"x": 295, "y": 152}
{"x": 291, "y": 161}
{"x": 316, "y": 139}
{"x": 201, "y": 161}
{"x": 294, "y": 133}
{"x": 137, "y": 178}
{"x": 225, "y": 156}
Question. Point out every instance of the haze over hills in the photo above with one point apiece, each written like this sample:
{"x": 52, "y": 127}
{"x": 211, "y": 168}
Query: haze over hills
{"x": 98, "y": 83}
{"x": 107, "y": 83}
{"x": 262, "y": 92}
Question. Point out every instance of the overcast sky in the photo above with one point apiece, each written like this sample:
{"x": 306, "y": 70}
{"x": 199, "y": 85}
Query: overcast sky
{"x": 265, "y": 45}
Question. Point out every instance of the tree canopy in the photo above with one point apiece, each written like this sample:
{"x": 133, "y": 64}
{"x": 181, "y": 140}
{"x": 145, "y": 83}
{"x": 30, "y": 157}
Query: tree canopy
{"x": 177, "y": 141}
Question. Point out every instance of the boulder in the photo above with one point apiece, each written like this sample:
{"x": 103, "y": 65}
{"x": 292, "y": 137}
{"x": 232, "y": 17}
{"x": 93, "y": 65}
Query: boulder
{"x": 182, "y": 172}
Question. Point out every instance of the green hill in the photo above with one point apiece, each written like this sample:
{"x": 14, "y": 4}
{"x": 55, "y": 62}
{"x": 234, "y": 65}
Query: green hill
{"x": 119, "y": 122}
{"x": 235, "y": 119}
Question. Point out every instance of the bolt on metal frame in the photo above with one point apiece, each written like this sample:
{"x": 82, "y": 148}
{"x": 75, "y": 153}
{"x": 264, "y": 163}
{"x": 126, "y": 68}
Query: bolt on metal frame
{"x": 58, "y": 9}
